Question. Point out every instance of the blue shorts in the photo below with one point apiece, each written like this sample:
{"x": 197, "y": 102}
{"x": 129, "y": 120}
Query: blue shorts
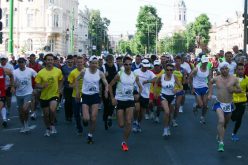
{"x": 180, "y": 93}
{"x": 228, "y": 108}
{"x": 91, "y": 99}
{"x": 201, "y": 91}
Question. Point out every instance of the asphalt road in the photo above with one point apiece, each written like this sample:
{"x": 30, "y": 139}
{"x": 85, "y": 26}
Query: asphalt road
{"x": 191, "y": 143}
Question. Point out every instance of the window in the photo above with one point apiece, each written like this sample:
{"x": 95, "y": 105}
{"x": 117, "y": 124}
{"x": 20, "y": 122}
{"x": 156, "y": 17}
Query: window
{"x": 52, "y": 45}
{"x": 51, "y": 1}
{"x": 56, "y": 20}
{"x": 7, "y": 20}
{"x": 30, "y": 44}
{"x": 30, "y": 20}
{"x": 30, "y": 1}
{"x": 179, "y": 17}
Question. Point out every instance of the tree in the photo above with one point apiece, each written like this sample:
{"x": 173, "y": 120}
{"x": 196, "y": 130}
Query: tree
{"x": 201, "y": 29}
{"x": 148, "y": 26}
{"x": 190, "y": 37}
{"x": 98, "y": 28}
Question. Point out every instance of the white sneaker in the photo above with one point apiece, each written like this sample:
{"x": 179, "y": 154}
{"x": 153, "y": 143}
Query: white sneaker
{"x": 181, "y": 109}
{"x": 152, "y": 116}
{"x": 174, "y": 123}
{"x": 156, "y": 120}
{"x": 169, "y": 132}
{"x": 53, "y": 130}
{"x": 26, "y": 127}
{"x": 47, "y": 133}
{"x": 166, "y": 132}
{"x": 202, "y": 120}
{"x": 33, "y": 116}
{"x": 22, "y": 130}
{"x": 146, "y": 116}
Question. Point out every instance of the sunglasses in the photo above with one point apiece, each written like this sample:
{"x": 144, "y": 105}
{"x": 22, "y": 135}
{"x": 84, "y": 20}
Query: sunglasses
{"x": 128, "y": 64}
{"x": 169, "y": 70}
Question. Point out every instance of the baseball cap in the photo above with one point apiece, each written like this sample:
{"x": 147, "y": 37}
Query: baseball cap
{"x": 156, "y": 62}
{"x": 92, "y": 58}
{"x": 145, "y": 63}
{"x": 204, "y": 59}
{"x": 3, "y": 56}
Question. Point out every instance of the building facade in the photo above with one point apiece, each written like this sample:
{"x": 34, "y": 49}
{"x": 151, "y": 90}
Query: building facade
{"x": 228, "y": 34}
{"x": 43, "y": 25}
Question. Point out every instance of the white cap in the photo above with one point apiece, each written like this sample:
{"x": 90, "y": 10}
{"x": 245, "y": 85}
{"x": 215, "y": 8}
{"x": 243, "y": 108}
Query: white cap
{"x": 204, "y": 59}
{"x": 156, "y": 62}
{"x": 145, "y": 63}
{"x": 224, "y": 64}
{"x": 92, "y": 58}
{"x": 3, "y": 56}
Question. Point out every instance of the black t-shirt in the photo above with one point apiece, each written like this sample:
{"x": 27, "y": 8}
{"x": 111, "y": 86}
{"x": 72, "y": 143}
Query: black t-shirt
{"x": 112, "y": 71}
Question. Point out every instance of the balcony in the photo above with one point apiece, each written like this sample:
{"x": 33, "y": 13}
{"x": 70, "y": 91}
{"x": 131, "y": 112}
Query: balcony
{"x": 54, "y": 30}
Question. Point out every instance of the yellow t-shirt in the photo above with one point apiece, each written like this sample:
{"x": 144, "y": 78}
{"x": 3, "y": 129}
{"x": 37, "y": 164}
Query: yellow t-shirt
{"x": 52, "y": 77}
{"x": 241, "y": 97}
{"x": 158, "y": 89}
{"x": 179, "y": 75}
{"x": 72, "y": 78}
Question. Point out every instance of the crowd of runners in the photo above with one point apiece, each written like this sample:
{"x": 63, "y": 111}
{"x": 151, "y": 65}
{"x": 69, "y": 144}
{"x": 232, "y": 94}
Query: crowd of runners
{"x": 132, "y": 88}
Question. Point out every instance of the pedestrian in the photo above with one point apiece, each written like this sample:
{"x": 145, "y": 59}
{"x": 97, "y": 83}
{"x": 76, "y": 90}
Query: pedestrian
{"x": 49, "y": 80}
{"x": 226, "y": 85}
{"x": 91, "y": 94}
{"x": 124, "y": 98}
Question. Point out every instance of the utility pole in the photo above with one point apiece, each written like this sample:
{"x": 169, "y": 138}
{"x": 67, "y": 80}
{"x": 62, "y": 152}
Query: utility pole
{"x": 11, "y": 15}
{"x": 72, "y": 33}
{"x": 156, "y": 37}
{"x": 245, "y": 27}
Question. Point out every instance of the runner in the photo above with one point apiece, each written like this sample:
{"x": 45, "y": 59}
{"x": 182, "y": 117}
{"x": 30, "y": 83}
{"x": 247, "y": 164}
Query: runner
{"x": 226, "y": 85}
{"x": 91, "y": 94}
{"x": 239, "y": 100}
{"x": 49, "y": 80}
{"x": 77, "y": 105}
{"x": 23, "y": 83}
{"x": 36, "y": 92}
{"x": 124, "y": 98}
{"x": 146, "y": 77}
{"x": 168, "y": 82}
{"x": 181, "y": 74}
{"x": 198, "y": 82}
{"x": 67, "y": 91}
{"x": 3, "y": 73}
{"x": 155, "y": 103}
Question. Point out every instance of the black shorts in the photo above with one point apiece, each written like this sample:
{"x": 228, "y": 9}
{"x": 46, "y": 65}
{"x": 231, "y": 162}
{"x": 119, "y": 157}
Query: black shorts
{"x": 91, "y": 99}
{"x": 135, "y": 92}
{"x": 3, "y": 99}
{"x": 168, "y": 98}
{"x": 46, "y": 103}
{"x": 8, "y": 92}
{"x": 144, "y": 102}
{"x": 123, "y": 105}
{"x": 185, "y": 87}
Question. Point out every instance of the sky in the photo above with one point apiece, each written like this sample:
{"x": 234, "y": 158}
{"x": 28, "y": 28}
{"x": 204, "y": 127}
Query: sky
{"x": 123, "y": 13}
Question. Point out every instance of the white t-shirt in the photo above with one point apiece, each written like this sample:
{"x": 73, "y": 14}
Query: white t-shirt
{"x": 144, "y": 76}
{"x": 232, "y": 67}
{"x": 23, "y": 81}
{"x": 186, "y": 67}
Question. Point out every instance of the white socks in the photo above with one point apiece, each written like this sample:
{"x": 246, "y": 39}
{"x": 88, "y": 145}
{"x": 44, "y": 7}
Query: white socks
{"x": 4, "y": 113}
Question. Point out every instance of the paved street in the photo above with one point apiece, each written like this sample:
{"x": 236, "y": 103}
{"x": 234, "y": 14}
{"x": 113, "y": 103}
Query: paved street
{"x": 190, "y": 143}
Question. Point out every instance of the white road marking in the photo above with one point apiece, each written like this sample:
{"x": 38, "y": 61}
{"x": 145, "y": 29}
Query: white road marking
{"x": 6, "y": 147}
{"x": 14, "y": 129}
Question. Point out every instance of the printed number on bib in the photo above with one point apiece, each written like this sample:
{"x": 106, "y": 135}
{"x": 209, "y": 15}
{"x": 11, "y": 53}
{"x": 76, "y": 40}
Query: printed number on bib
{"x": 226, "y": 107}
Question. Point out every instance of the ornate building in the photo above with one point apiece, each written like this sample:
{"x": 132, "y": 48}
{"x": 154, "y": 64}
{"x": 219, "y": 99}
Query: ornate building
{"x": 45, "y": 24}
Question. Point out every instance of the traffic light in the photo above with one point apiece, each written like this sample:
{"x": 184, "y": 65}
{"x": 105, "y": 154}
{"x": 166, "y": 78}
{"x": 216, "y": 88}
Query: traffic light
{"x": 1, "y": 27}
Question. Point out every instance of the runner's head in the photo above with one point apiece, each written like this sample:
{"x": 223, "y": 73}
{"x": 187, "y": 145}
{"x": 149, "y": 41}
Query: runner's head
{"x": 93, "y": 62}
{"x": 178, "y": 61}
{"x": 49, "y": 60}
{"x": 204, "y": 61}
{"x": 224, "y": 68}
{"x": 240, "y": 70}
{"x": 21, "y": 63}
{"x": 228, "y": 56}
{"x": 145, "y": 65}
{"x": 127, "y": 63}
{"x": 169, "y": 69}
{"x": 157, "y": 65}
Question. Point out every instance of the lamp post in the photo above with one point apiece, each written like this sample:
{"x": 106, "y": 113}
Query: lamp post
{"x": 245, "y": 26}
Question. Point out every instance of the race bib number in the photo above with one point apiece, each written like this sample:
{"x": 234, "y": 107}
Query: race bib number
{"x": 92, "y": 87}
{"x": 226, "y": 107}
{"x": 128, "y": 91}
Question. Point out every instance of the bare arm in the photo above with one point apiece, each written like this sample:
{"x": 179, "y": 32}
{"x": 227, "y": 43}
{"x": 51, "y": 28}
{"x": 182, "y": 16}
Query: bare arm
{"x": 210, "y": 87}
{"x": 112, "y": 83}
{"x": 191, "y": 75}
{"x": 139, "y": 85}
{"x": 81, "y": 75}
{"x": 105, "y": 82}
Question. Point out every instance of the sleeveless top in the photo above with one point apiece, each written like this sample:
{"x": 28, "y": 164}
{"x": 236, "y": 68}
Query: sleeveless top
{"x": 91, "y": 82}
{"x": 200, "y": 80}
{"x": 125, "y": 87}
{"x": 168, "y": 85}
